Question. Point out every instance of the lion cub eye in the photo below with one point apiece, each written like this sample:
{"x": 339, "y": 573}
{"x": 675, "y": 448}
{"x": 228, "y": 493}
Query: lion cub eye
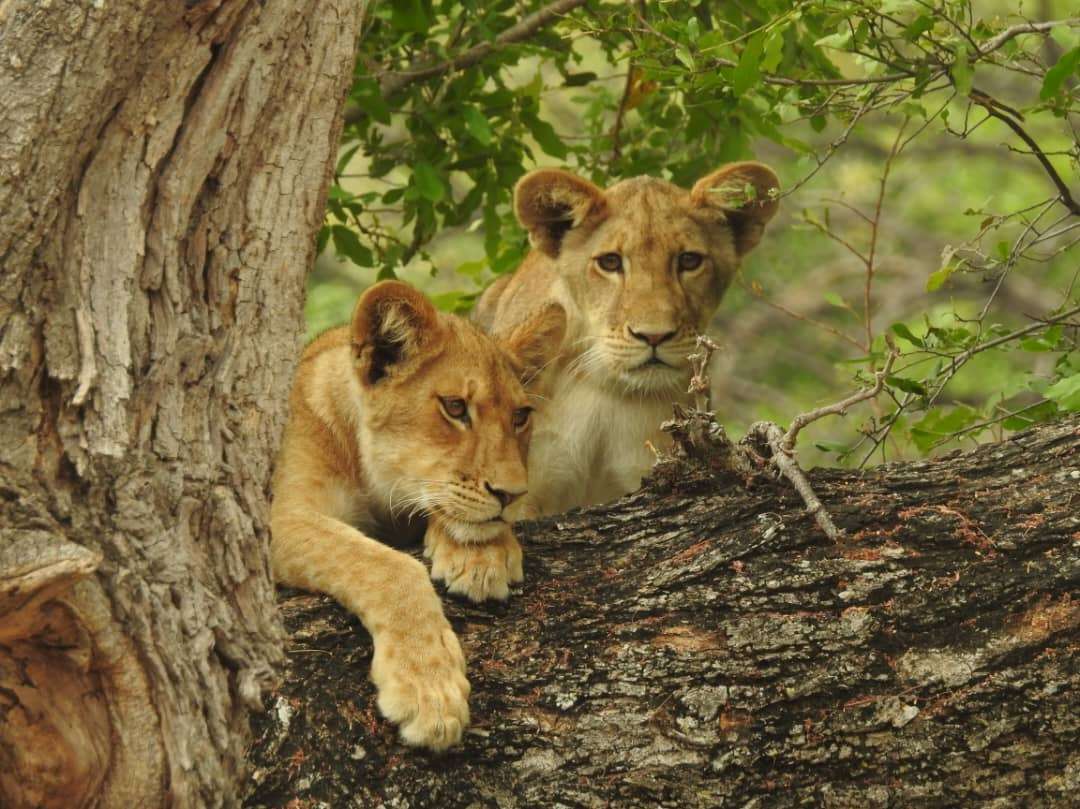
{"x": 689, "y": 261}
{"x": 609, "y": 262}
{"x": 521, "y": 417}
{"x": 455, "y": 408}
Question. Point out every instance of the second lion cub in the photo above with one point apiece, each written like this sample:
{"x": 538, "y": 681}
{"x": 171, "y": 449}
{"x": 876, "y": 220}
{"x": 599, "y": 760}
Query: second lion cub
{"x": 403, "y": 412}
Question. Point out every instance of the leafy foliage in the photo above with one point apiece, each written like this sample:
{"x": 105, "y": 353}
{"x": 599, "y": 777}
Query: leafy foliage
{"x": 452, "y": 102}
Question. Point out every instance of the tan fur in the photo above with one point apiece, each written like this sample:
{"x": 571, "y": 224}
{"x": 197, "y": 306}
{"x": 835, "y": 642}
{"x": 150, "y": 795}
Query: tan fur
{"x": 369, "y": 444}
{"x": 605, "y": 402}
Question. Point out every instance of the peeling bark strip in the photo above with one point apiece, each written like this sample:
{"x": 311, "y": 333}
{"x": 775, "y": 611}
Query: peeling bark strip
{"x": 698, "y": 644}
{"x": 163, "y": 170}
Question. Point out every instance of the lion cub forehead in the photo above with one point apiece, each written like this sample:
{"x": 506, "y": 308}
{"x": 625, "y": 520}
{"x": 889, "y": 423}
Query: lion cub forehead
{"x": 649, "y": 207}
{"x": 474, "y": 366}
{"x": 648, "y": 191}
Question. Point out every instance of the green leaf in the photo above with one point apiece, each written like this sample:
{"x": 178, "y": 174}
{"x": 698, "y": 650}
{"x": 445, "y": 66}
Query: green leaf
{"x": 961, "y": 70}
{"x": 837, "y": 40}
{"x": 477, "y": 125}
{"x": 456, "y": 302}
{"x": 940, "y": 424}
{"x": 546, "y": 137}
{"x": 1043, "y": 411}
{"x": 347, "y": 243}
{"x": 428, "y": 182}
{"x": 773, "y": 52}
{"x": 900, "y": 330}
{"x": 346, "y": 156}
{"x": 1047, "y": 341}
{"x": 748, "y": 70}
{"x": 919, "y": 26}
{"x": 693, "y": 29}
{"x": 684, "y": 56}
{"x": 936, "y": 279}
{"x": 579, "y": 79}
{"x": 1066, "y": 393}
{"x": 907, "y": 385}
{"x": 409, "y": 15}
{"x": 1064, "y": 36}
{"x": 1055, "y": 77}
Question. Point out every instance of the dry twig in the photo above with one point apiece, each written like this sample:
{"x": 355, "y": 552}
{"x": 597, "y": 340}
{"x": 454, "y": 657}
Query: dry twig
{"x": 697, "y": 433}
{"x": 782, "y": 444}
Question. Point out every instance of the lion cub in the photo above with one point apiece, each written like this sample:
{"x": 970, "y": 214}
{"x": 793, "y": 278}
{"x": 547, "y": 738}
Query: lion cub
{"x": 408, "y": 412}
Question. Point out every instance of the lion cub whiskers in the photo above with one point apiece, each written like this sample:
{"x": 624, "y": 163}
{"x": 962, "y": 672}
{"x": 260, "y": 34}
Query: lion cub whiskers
{"x": 640, "y": 268}
{"x": 407, "y": 413}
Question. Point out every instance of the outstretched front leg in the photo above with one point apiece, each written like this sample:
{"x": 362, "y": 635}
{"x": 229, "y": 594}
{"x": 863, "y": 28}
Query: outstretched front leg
{"x": 418, "y": 666}
{"x": 476, "y": 570}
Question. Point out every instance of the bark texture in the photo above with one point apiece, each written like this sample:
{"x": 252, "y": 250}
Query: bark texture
{"x": 163, "y": 170}
{"x": 701, "y": 644}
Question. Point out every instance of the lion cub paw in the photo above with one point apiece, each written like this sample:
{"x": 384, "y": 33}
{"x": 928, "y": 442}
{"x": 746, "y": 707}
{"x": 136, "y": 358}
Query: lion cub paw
{"x": 421, "y": 684}
{"x": 476, "y": 571}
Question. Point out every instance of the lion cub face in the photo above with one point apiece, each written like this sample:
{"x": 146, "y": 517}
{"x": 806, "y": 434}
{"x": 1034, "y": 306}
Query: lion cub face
{"x": 645, "y": 262}
{"x": 446, "y": 414}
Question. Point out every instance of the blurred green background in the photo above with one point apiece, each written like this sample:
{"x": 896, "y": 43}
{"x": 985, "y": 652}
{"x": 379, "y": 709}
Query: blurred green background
{"x": 969, "y": 243}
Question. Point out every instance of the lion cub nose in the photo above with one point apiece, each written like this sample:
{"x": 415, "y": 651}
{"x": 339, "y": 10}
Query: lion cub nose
{"x": 504, "y": 496}
{"x": 652, "y": 338}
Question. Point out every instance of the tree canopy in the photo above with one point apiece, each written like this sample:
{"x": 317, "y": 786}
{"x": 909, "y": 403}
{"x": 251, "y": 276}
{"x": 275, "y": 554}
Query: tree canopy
{"x": 928, "y": 153}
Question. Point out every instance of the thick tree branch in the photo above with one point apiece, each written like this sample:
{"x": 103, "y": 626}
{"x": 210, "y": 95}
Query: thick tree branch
{"x": 700, "y": 644}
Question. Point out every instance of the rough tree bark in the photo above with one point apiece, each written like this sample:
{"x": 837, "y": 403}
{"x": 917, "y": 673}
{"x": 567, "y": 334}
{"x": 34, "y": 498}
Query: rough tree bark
{"x": 163, "y": 170}
{"x": 701, "y": 644}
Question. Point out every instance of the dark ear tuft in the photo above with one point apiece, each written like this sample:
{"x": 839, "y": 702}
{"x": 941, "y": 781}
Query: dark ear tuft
{"x": 389, "y": 324}
{"x": 549, "y": 202}
{"x": 745, "y": 192}
{"x": 535, "y": 342}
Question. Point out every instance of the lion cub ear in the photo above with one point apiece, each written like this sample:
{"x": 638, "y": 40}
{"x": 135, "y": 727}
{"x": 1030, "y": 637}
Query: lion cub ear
{"x": 390, "y": 323}
{"x": 745, "y": 192}
{"x": 535, "y": 342}
{"x": 549, "y": 202}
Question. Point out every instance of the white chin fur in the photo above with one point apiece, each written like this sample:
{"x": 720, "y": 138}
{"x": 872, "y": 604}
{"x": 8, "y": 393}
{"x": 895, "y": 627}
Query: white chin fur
{"x": 473, "y": 532}
{"x": 656, "y": 378}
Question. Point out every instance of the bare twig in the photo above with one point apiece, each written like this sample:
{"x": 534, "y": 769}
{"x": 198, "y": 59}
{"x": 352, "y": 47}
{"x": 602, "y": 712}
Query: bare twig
{"x": 962, "y": 358}
{"x": 995, "y": 108}
{"x": 779, "y": 307}
{"x": 699, "y": 435}
{"x": 994, "y": 43}
{"x": 875, "y": 224}
{"x": 699, "y": 365}
{"x": 841, "y": 407}
{"x": 769, "y": 434}
{"x": 616, "y": 128}
{"x": 782, "y": 444}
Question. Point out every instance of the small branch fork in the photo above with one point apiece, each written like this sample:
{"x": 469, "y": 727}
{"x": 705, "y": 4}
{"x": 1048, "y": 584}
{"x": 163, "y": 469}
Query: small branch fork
{"x": 782, "y": 444}
{"x": 697, "y": 432}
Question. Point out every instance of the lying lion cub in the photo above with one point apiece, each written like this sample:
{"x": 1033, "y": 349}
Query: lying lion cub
{"x": 408, "y": 412}
{"x": 640, "y": 269}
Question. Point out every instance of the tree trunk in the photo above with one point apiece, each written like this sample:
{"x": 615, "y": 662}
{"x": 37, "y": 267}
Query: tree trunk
{"x": 163, "y": 169}
{"x": 701, "y": 644}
